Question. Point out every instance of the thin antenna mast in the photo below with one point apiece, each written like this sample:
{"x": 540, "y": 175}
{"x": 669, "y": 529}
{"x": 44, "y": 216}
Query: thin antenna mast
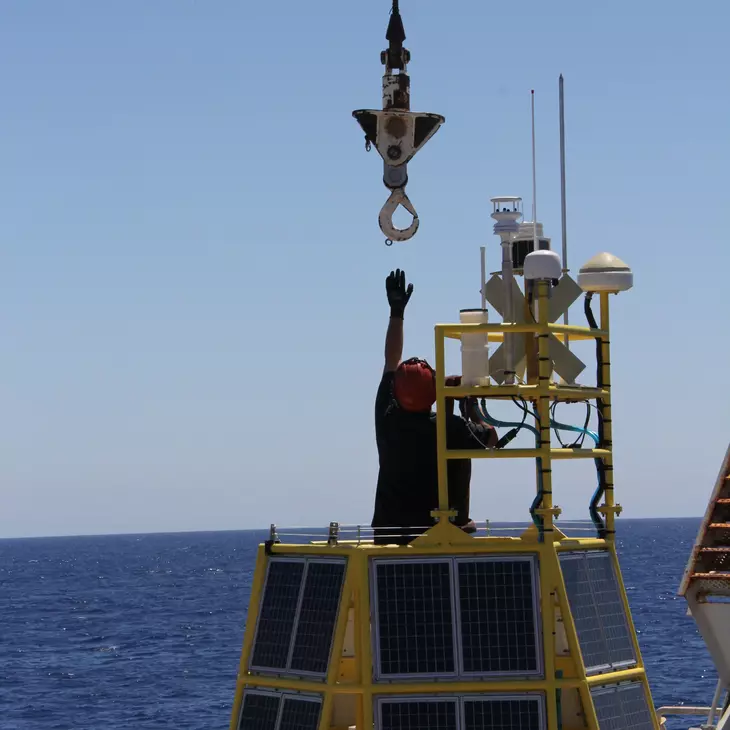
{"x": 483, "y": 252}
{"x": 534, "y": 177}
{"x": 563, "y": 215}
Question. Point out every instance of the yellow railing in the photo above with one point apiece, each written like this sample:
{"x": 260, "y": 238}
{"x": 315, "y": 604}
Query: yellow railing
{"x": 542, "y": 392}
{"x": 349, "y": 683}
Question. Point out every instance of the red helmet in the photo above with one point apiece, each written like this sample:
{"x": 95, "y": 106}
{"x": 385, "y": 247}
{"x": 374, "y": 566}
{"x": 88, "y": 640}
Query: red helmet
{"x": 414, "y": 385}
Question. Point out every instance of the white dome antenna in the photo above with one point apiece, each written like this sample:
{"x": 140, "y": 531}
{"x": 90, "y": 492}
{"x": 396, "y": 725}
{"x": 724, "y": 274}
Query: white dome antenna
{"x": 605, "y": 273}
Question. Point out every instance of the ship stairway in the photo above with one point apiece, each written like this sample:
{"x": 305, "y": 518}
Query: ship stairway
{"x": 706, "y": 581}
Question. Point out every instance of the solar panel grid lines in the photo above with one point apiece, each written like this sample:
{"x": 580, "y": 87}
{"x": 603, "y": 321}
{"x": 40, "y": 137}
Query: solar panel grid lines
{"x": 598, "y": 611}
{"x": 318, "y": 611}
{"x": 297, "y": 616}
{"x": 276, "y": 710}
{"x": 635, "y": 707}
{"x": 614, "y": 620}
{"x": 503, "y": 714}
{"x": 259, "y": 711}
{"x": 277, "y": 613}
{"x": 454, "y": 616}
{"x": 524, "y": 711}
{"x": 300, "y": 714}
{"x": 622, "y": 707}
{"x": 414, "y": 613}
{"x": 421, "y": 714}
{"x": 498, "y": 617}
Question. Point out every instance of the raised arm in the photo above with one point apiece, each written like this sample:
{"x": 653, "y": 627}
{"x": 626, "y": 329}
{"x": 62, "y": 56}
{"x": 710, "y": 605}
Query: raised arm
{"x": 398, "y": 296}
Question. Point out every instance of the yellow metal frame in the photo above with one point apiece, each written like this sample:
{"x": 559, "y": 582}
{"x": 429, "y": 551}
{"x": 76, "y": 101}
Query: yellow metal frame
{"x": 561, "y": 671}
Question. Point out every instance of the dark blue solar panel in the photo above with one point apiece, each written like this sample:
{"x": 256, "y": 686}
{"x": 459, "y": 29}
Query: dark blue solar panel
{"x": 259, "y": 711}
{"x": 419, "y": 715}
{"x": 298, "y": 614}
{"x": 317, "y": 616}
{"x": 503, "y": 714}
{"x": 414, "y": 617}
{"x": 598, "y": 611}
{"x": 622, "y": 707}
{"x": 299, "y": 714}
{"x": 277, "y": 615}
{"x": 498, "y": 616}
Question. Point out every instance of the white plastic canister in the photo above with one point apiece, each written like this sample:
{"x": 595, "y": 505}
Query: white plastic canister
{"x": 474, "y": 349}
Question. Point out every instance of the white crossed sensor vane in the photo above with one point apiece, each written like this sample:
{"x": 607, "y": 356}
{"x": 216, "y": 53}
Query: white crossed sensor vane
{"x": 565, "y": 363}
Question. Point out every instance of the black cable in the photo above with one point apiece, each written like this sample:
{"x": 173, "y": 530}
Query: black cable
{"x": 585, "y": 426}
{"x": 596, "y": 517}
{"x": 553, "y": 408}
{"x": 523, "y": 407}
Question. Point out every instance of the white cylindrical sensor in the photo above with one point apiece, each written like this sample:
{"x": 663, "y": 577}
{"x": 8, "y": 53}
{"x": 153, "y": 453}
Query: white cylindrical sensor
{"x": 474, "y": 349}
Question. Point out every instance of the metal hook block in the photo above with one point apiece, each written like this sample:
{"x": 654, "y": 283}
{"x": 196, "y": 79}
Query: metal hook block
{"x": 385, "y": 219}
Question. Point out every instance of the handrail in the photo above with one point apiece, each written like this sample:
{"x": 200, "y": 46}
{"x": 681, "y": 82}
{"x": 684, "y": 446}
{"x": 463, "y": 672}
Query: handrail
{"x": 684, "y": 710}
{"x": 447, "y": 330}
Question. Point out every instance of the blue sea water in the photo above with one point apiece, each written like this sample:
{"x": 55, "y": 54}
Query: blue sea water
{"x": 145, "y": 631}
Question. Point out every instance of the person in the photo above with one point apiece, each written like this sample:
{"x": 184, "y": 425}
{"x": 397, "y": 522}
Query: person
{"x": 405, "y": 432}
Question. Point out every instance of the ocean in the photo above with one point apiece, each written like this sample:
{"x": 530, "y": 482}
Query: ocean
{"x": 144, "y": 632}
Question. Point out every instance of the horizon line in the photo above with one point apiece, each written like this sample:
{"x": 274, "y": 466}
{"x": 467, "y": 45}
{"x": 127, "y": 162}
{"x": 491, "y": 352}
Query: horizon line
{"x": 266, "y": 529}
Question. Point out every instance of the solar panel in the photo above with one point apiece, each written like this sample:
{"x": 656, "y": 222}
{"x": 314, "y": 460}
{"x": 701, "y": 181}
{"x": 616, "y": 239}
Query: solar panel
{"x": 259, "y": 711}
{"x": 498, "y": 616}
{"x": 300, "y": 714}
{"x": 504, "y": 713}
{"x": 622, "y": 707}
{"x": 414, "y": 617}
{"x": 420, "y": 714}
{"x": 298, "y": 614}
{"x": 317, "y": 616}
{"x": 278, "y": 613}
{"x": 466, "y": 712}
{"x": 598, "y": 611}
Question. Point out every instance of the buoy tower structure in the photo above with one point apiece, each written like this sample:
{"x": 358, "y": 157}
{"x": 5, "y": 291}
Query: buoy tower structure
{"x": 460, "y": 631}
{"x": 465, "y": 631}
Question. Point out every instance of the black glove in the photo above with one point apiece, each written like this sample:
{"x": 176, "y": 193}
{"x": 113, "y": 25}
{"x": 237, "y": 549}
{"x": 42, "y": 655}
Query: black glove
{"x": 398, "y": 295}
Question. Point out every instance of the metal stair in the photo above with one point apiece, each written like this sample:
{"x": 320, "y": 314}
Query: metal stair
{"x": 708, "y": 570}
{"x": 706, "y": 580}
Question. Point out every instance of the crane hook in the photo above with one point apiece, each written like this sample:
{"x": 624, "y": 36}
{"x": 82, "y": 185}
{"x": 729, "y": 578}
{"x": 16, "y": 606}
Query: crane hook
{"x": 385, "y": 219}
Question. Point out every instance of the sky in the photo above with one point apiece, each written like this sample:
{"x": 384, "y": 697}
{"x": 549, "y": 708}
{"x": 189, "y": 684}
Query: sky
{"x": 192, "y": 299}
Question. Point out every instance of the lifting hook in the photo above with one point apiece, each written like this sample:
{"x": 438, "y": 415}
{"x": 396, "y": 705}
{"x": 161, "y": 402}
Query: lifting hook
{"x": 385, "y": 219}
{"x": 395, "y": 131}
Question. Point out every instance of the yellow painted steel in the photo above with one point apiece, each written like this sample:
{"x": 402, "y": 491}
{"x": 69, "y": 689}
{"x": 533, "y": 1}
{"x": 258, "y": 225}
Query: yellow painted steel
{"x": 443, "y": 474}
{"x": 356, "y": 592}
{"x": 526, "y": 453}
{"x": 561, "y": 332}
{"x": 366, "y": 646}
{"x": 456, "y": 330}
{"x": 469, "y": 545}
{"x": 563, "y": 665}
{"x": 557, "y": 392}
{"x": 609, "y": 508}
{"x": 250, "y": 630}
{"x": 546, "y": 511}
{"x": 444, "y": 687}
{"x": 337, "y": 646}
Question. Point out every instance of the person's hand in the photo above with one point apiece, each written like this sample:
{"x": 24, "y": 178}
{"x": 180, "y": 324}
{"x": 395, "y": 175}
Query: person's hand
{"x": 452, "y": 381}
{"x": 398, "y": 294}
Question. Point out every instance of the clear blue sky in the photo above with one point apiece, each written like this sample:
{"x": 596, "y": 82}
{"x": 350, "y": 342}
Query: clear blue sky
{"x": 191, "y": 293}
